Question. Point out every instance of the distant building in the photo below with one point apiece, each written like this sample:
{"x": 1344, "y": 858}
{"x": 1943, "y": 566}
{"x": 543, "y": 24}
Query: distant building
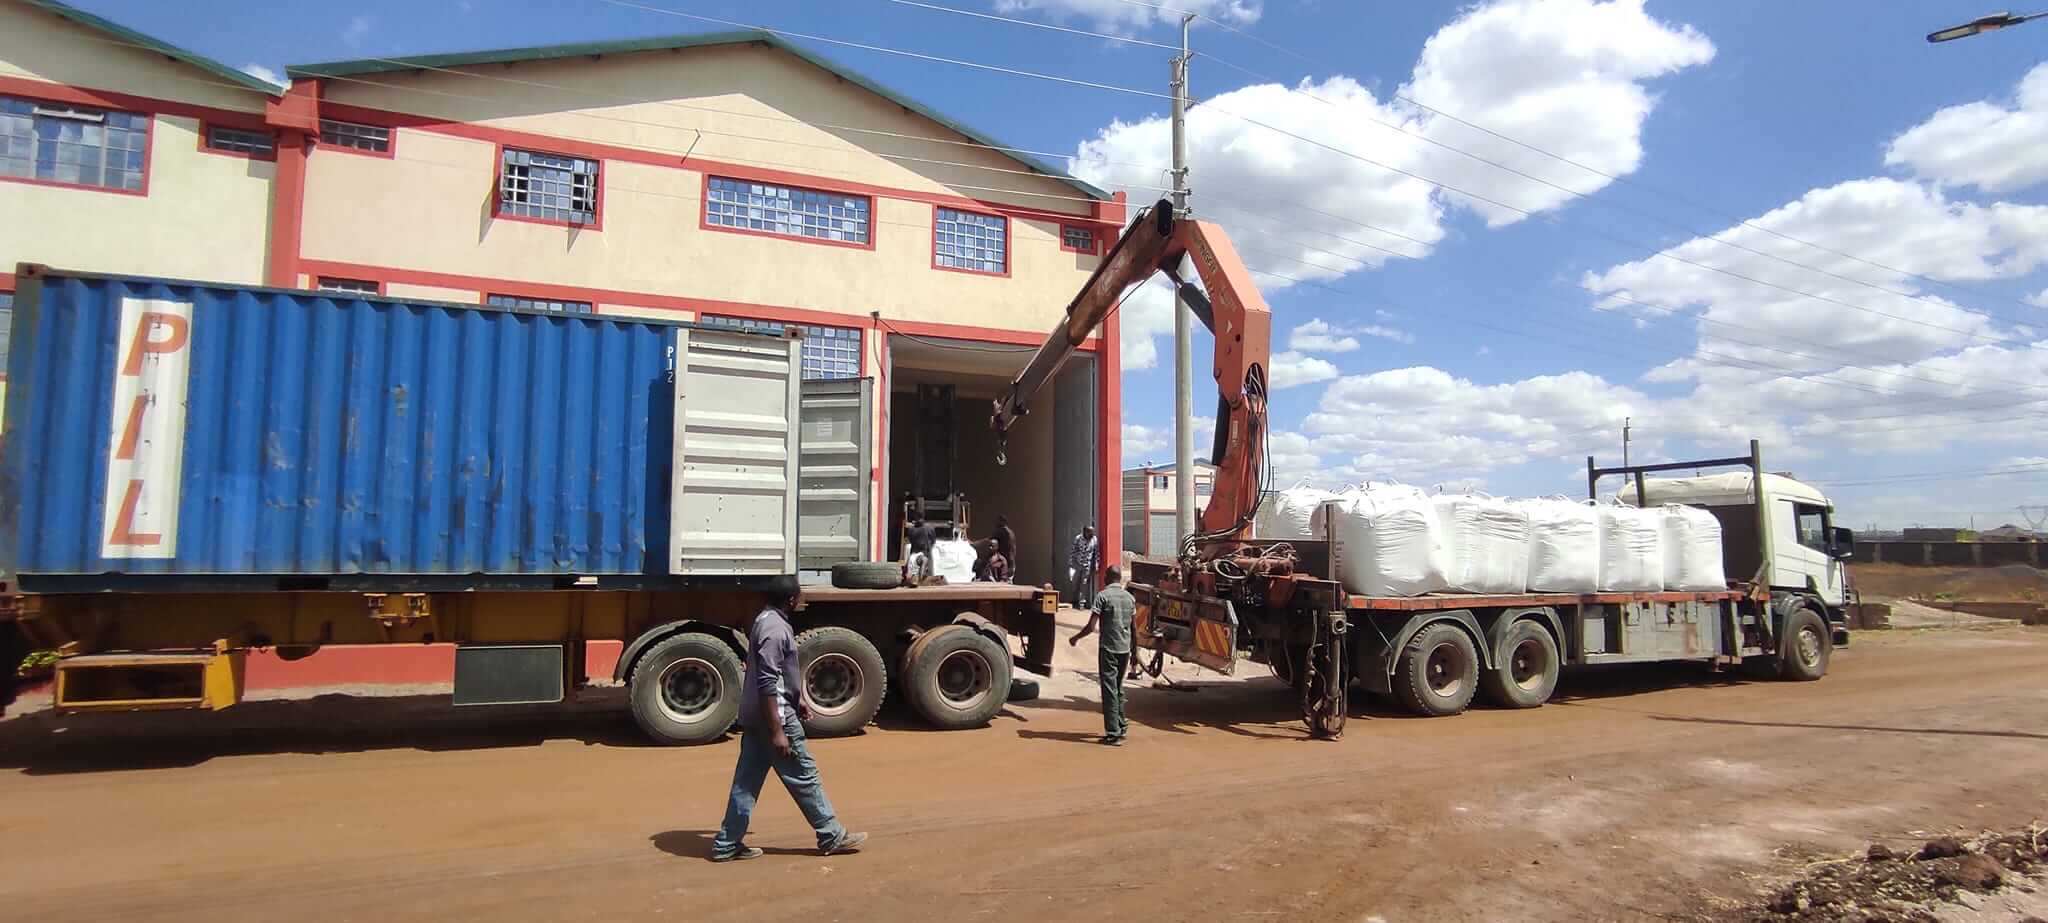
{"x": 1149, "y": 507}
{"x": 1940, "y": 535}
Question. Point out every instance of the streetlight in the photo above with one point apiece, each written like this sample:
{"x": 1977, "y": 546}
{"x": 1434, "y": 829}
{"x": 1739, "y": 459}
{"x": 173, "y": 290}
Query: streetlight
{"x": 1991, "y": 23}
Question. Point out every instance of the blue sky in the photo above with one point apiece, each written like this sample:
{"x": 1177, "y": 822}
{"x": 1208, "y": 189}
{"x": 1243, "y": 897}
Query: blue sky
{"x": 1503, "y": 345}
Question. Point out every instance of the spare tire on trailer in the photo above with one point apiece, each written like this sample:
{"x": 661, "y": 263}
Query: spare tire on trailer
{"x": 957, "y": 677}
{"x": 844, "y": 680}
{"x": 867, "y": 575}
{"x": 686, "y": 689}
{"x": 1023, "y": 689}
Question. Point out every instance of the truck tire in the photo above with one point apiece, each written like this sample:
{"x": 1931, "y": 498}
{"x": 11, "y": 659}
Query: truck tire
{"x": 1525, "y": 669}
{"x": 958, "y": 678}
{"x": 1438, "y": 672}
{"x": 844, "y": 680}
{"x": 867, "y": 575}
{"x": 686, "y": 689}
{"x": 1804, "y": 646}
{"x": 1023, "y": 690}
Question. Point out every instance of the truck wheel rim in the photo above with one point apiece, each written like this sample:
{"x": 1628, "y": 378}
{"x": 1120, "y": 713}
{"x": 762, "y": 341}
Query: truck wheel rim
{"x": 690, "y": 689}
{"x": 1445, "y": 670}
{"x": 1809, "y": 646}
{"x": 1529, "y": 664}
{"x": 965, "y": 679}
{"x": 833, "y": 683}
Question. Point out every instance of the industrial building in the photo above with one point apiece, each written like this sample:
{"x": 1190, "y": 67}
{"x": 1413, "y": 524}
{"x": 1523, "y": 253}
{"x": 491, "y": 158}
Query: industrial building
{"x": 1149, "y": 501}
{"x": 732, "y": 179}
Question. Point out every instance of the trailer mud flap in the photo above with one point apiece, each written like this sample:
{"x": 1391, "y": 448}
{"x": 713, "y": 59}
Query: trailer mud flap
{"x": 1197, "y": 629}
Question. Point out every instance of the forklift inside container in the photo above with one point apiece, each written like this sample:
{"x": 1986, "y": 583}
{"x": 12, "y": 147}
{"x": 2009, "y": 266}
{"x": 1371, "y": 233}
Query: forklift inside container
{"x": 1046, "y": 490}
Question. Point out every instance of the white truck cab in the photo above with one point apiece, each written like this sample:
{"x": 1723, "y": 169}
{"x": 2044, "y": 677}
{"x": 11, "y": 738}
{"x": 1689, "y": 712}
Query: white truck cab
{"x": 1806, "y": 551}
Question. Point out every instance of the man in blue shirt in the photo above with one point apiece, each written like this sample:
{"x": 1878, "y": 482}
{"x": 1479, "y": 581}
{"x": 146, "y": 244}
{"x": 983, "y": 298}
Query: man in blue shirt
{"x": 772, "y": 711}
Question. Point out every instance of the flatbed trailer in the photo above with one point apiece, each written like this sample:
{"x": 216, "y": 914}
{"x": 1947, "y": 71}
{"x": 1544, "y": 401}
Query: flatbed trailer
{"x": 193, "y": 471}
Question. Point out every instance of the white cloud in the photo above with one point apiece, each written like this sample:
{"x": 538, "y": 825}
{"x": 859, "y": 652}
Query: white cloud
{"x": 1291, "y": 369}
{"x": 1143, "y": 442}
{"x": 1147, "y": 314}
{"x": 2038, "y": 299}
{"x": 1565, "y": 76}
{"x": 358, "y": 28}
{"x": 1317, "y": 336}
{"x": 263, "y": 73}
{"x": 1122, "y": 17}
{"x": 1986, "y": 144}
{"x": 1907, "y": 226}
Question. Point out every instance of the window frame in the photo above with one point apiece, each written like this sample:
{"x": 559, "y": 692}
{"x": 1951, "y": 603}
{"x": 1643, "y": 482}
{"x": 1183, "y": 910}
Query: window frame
{"x": 1094, "y": 238}
{"x": 8, "y": 292}
{"x": 206, "y": 127}
{"x": 716, "y": 321}
{"x": 483, "y": 299}
{"x": 704, "y": 211}
{"x": 1009, "y": 241}
{"x": 148, "y": 146}
{"x": 596, "y": 222}
{"x": 390, "y": 151}
{"x": 1801, "y": 510}
{"x": 319, "y": 283}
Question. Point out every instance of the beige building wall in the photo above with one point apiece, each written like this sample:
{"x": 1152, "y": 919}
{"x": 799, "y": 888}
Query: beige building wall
{"x": 429, "y": 206}
{"x": 204, "y": 215}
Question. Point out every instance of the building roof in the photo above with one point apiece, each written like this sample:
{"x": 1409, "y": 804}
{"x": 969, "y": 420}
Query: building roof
{"x": 670, "y": 42}
{"x": 159, "y": 46}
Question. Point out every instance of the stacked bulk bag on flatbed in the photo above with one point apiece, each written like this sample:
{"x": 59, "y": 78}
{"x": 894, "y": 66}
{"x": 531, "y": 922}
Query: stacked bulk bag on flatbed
{"x": 1692, "y": 549}
{"x": 1292, "y": 515}
{"x": 1631, "y": 549}
{"x": 1564, "y": 545}
{"x": 1389, "y": 542}
{"x": 1486, "y": 543}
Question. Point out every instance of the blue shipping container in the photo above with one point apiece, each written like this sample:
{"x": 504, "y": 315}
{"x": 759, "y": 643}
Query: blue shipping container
{"x": 158, "y": 427}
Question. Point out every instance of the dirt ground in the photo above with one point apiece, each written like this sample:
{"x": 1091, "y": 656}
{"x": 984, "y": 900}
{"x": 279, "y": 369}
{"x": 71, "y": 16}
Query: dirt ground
{"x": 2007, "y": 583}
{"x": 1639, "y": 794}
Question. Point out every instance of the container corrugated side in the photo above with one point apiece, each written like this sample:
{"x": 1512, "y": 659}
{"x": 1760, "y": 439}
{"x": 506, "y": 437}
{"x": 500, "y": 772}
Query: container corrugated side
{"x": 163, "y": 427}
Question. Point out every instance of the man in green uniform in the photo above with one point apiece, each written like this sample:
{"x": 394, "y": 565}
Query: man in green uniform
{"x": 1113, "y": 609}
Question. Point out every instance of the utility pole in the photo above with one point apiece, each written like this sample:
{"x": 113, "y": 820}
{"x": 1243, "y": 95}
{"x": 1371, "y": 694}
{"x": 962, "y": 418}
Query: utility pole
{"x": 1183, "y": 316}
{"x": 1624, "y": 448}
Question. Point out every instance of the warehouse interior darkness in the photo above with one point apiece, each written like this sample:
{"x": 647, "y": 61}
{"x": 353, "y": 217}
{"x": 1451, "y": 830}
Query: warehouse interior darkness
{"x": 1047, "y": 490}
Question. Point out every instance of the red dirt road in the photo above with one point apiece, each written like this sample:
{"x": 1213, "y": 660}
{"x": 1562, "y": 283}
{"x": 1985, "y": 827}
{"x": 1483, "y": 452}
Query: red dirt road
{"x": 1638, "y": 795}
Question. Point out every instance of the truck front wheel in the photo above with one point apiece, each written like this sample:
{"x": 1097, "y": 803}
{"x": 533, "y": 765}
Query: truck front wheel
{"x": 1525, "y": 669}
{"x": 1804, "y": 646}
{"x": 844, "y": 680}
{"x": 686, "y": 689}
{"x": 1438, "y": 672}
{"x": 957, "y": 677}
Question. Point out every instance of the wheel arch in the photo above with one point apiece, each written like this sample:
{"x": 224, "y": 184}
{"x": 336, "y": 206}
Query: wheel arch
{"x": 1505, "y": 619}
{"x": 630, "y": 656}
{"x": 1378, "y": 672}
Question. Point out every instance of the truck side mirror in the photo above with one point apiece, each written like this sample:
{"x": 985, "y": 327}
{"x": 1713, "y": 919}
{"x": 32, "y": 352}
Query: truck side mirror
{"x": 1841, "y": 543}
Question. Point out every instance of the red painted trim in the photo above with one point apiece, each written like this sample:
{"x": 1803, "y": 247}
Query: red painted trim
{"x": 880, "y": 550}
{"x": 1008, "y": 243}
{"x": 84, "y": 99}
{"x": 1094, "y": 238}
{"x": 390, "y": 151}
{"x": 599, "y": 151}
{"x": 287, "y": 210}
{"x": 704, "y": 216}
{"x": 596, "y": 222}
{"x": 206, "y": 137}
{"x": 82, "y": 96}
{"x": 6, "y": 281}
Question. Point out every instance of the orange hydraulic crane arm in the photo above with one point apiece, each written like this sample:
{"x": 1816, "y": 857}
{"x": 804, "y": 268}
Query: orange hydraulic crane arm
{"x": 1227, "y": 303}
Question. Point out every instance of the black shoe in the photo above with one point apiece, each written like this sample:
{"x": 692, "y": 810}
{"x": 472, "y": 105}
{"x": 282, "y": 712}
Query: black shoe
{"x": 742, "y": 853}
{"x": 1108, "y": 741}
{"x": 847, "y": 842}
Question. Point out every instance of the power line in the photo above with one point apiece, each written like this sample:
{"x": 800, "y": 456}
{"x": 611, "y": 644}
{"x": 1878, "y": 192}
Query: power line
{"x": 1125, "y": 39}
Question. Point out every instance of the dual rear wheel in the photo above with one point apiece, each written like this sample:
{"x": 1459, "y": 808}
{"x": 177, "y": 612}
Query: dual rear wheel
{"x": 1439, "y": 671}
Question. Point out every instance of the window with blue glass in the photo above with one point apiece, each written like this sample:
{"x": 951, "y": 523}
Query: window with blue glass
{"x": 786, "y": 210}
{"x": 965, "y": 240}
{"x": 72, "y": 144}
{"x": 828, "y": 352}
{"x": 6, "y": 329}
{"x": 548, "y": 187}
{"x": 538, "y": 304}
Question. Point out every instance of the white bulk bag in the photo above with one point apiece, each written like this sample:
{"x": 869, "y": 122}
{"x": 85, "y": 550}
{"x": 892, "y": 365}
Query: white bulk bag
{"x": 1486, "y": 543}
{"x": 1389, "y": 542}
{"x": 1564, "y": 546}
{"x": 954, "y": 559}
{"x": 1631, "y": 549}
{"x": 1692, "y": 549}
{"x": 1291, "y": 515}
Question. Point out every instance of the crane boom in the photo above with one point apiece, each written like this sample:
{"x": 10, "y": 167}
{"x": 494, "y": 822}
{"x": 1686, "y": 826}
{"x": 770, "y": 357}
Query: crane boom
{"x": 1227, "y": 303}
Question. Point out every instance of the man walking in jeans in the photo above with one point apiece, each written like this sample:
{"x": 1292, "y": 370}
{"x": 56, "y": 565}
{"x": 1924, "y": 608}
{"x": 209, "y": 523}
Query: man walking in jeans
{"x": 772, "y": 735}
{"x": 1083, "y": 556}
{"x": 1114, "y": 609}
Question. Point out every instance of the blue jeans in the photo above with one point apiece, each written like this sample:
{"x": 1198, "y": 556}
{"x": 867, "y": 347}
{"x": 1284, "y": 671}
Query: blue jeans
{"x": 798, "y": 774}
